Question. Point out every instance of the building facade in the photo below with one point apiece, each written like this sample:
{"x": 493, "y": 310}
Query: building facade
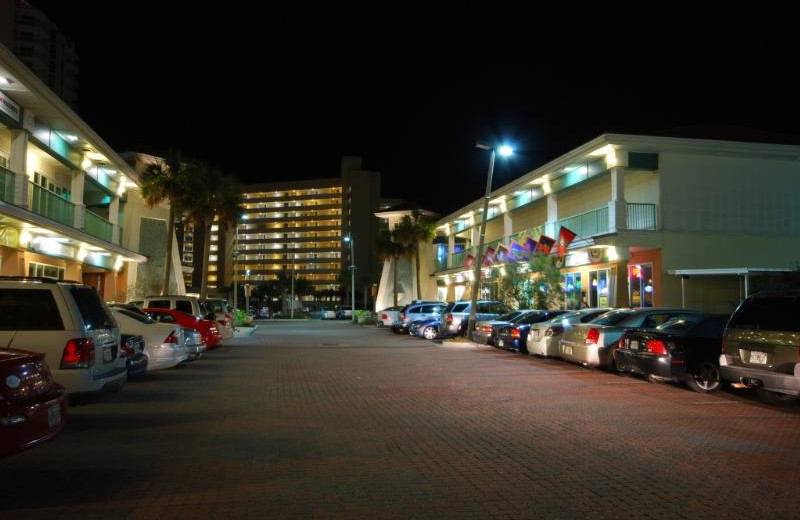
{"x": 658, "y": 221}
{"x": 297, "y": 228}
{"x": 63, "y": 190}
{"x": 38, "y": 43}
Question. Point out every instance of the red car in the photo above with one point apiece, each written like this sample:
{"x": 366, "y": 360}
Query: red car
{"x": 33, "y": 407}
{"x": 208, "y": 329}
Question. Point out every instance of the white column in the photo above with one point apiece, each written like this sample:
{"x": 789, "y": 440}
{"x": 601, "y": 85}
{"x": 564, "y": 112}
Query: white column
{"x": 507, "y": 225}
{"x": 113, "y": 217}
{"x": 78, "y": 180}
{"x": 451, "y": 246}
{"x": 552, "y": 215}
{"x": 617, "y": 207}
{"x": 18, "y": 163}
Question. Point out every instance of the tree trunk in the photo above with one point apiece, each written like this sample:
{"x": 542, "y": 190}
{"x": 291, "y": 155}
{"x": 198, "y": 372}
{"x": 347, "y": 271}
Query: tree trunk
{"x": 206, "y": 251}
{"x": 168, "y": 262}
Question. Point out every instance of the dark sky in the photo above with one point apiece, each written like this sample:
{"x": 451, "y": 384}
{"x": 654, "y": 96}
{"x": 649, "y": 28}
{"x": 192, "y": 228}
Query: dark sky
{"x": 277, "y": 93}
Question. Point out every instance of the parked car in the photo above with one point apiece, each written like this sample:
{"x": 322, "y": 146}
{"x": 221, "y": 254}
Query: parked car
{"x": 207, "y": 328}
{"x": 593, "y": 343}
{"x": 135, "y": 358}
{"x": 222, "y": 314}
{"x": 389, "y": 316}
{"x": 70, "y": 325}
{"x": 343, "y": 312}
{"x": 456, "y": 315}
{"x": 164, "y": 344}
{"x": 33, "y": 407}
{"x": 761, "y": 345}
{"x": 417, "y": 311}
{"x": 486, "y": 331}
{"x": 684, "y": 349}
{"x": 426, "y": 328}
{"x": 326, "y": 314}
{"x": 515, "y": 336}
{"x": 187, "y": 304}
{"x": 543, "y": 337}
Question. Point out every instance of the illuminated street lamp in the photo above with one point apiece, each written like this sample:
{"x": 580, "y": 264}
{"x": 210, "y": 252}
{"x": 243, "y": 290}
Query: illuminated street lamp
{"x": 349, "y": 239}
{"x": 505, "y": 151}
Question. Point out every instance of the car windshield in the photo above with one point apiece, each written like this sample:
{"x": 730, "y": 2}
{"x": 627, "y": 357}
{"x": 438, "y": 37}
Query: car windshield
{"x": 612, "y": 317}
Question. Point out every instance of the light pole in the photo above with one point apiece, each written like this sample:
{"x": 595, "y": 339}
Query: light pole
{"x": 349, "y": 238}
{"x": 505, "y": 151}
{"x": 292, "y": 303}
{"x": 247, "y": 292}
{"x": 235, "y": 256}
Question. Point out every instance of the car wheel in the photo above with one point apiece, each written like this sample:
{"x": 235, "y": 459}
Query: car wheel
{"x": 704, "y": 378}
{"x": 429, "y": 333}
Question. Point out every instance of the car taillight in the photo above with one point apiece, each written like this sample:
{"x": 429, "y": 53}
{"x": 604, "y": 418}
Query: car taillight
{"x": 515, "y": 332}
{"x": 553, "y": 330}
{"x": 656, "y": 347}
{"x": 384, "y": 316}
{"x": 485, "y": 328}
{"x": 402, "y": 317}
{"x": 127, "y": 350}
{"x": 449, "y": 319}
{"x": 78, "y": 353}
{"x": 172, "y": 338}
{"x": 593, "y": 336}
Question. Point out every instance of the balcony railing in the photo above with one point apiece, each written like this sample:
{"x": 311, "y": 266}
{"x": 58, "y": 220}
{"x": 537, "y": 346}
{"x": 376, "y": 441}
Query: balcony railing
{"x": 97, "y": 226}
{"x": 50, "y": 205}
{"x": 641, "y": 216}
{"x": 6, "y": 185}
{"x": 586, "y": 224}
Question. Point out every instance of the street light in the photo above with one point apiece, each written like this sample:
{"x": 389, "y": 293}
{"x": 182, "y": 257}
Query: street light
{"x": 235, "y": 253}
{"x": 505, "y": 151}
{"x": 349, "y": 239}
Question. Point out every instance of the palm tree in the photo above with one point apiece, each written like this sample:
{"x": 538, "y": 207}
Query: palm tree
{"x": 425, "y": 230}
{"x": 165, "y": 181}
{"x": 388, "y": 249}
{"x": 409, "y": 232}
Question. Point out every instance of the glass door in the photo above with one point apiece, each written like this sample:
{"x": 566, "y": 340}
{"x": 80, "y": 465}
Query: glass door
{"x": 598, "y": 289}
{"x": 640, "y": 285}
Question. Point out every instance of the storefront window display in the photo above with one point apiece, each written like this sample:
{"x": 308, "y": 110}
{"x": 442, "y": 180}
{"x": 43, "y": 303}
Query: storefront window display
{"x": 573, "y": 291}
{"x": 640, "y": 285}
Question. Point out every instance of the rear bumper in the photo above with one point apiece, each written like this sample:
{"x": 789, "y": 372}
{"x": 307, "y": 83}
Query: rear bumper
{"x": 83, "y": 381}
{"x": 42, "y": 422}
{"x": 481, "y": 337}
{"x": 137, "y": 366}
{"x": 773, "y": 381}
{"x": 639, "y": 363}
{"x": 546, "y": 346}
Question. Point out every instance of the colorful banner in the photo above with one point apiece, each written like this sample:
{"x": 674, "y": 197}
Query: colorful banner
{"x": 469, "y": 261}
{"x": 517, "y": 252}
{"x": 565, "y": 237}
{"x": 530, "y": 245}
{"x": 545, "y": 245}
{"x": 488, "y": 257}
{"x": 502, "y": 253}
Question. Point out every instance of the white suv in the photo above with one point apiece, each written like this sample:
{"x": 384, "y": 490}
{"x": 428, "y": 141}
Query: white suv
{"x": 187, "y": 304}
{"x": 70, "y": 325}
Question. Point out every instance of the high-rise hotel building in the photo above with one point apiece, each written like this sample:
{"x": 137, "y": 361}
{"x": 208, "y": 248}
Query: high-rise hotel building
{"x": 299, "y": 226}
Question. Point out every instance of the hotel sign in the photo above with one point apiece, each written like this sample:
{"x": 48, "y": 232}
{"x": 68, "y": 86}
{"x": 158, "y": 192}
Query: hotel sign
{"x": 9, "y": 107}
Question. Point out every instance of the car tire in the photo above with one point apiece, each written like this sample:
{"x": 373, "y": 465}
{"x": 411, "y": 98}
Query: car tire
{"x": 429, "y": 333}
{"x": 704, "y": 378}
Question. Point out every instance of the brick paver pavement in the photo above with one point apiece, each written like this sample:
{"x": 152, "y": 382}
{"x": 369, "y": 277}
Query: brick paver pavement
{"x": 330, "y": 420}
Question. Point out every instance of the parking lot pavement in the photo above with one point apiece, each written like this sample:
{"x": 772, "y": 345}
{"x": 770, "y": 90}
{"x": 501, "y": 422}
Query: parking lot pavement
{"x": 327, "y": 419}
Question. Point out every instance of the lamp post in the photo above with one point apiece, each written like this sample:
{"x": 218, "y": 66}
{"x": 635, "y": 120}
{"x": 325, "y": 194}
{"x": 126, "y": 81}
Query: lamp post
{"x": 505, "y": 151}
{"x": 247, "y": 292}
{"x": 235, "y": 253}
{"x": 349, "y": 239}
{"x": 292, "y": 302}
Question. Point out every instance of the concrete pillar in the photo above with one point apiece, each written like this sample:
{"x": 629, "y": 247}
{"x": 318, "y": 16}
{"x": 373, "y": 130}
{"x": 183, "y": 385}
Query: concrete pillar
{"x": 507, "y": 225}
{"x": 617, "y": 207}
{"x": 552, "y": 215}
{"x": 451, "y": 247}
{"x": 18, "y": 163}
{"x": 78, "y": 181}
{"x": 113, "y": 217}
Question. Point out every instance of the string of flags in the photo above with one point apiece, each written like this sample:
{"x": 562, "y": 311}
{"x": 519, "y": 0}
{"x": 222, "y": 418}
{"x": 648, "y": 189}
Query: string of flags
{"x": 523, "y": 250}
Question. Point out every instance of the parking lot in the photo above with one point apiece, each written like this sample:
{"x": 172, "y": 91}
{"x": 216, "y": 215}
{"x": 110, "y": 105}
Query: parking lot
{"x": 318, "y": 419}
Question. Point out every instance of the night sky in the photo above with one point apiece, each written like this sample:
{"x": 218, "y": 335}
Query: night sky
{"x": 279, "y": 93}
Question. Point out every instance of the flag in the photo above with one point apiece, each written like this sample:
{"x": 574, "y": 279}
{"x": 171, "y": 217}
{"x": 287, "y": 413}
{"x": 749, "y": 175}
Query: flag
{"x": 517, "y": 252}
{"x": 488, "y": 257}
{"x": 530, "y": 245}
{"x": 545, "y": 244}
{"x": 502, "y": 253}
{"x": 565, "y": 237}
{"x": 469, "y": 261}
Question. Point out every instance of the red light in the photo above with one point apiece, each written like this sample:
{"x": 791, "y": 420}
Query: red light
{"x": 593, "y": 336}
{"x": 384, "y": 316}
{"x": 449, "y": 319}
{"x": 402, "y": 317}
{"x": 172, "y": 338}
{"x": 656, "y": 347}
{"x": 515, "y": 332}
{"x": 78, "y": 353}
{"x": 127, "y": 350}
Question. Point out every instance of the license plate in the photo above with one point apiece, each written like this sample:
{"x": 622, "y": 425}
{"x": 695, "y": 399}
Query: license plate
{"x": 54, "y": 415}
{"x": 634, "y": 345}
{"x": 536, "y": 334}
{"x": 567, "y": 350}
{"x": 758, "y": 357}
{"x": 499, "y": 342}
{"x": 107, "y": 355}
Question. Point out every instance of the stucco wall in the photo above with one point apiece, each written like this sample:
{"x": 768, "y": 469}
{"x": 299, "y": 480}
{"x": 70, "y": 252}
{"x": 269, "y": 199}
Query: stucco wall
{"x": 586, "y": 196}
{"x": 529, "y": 216}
